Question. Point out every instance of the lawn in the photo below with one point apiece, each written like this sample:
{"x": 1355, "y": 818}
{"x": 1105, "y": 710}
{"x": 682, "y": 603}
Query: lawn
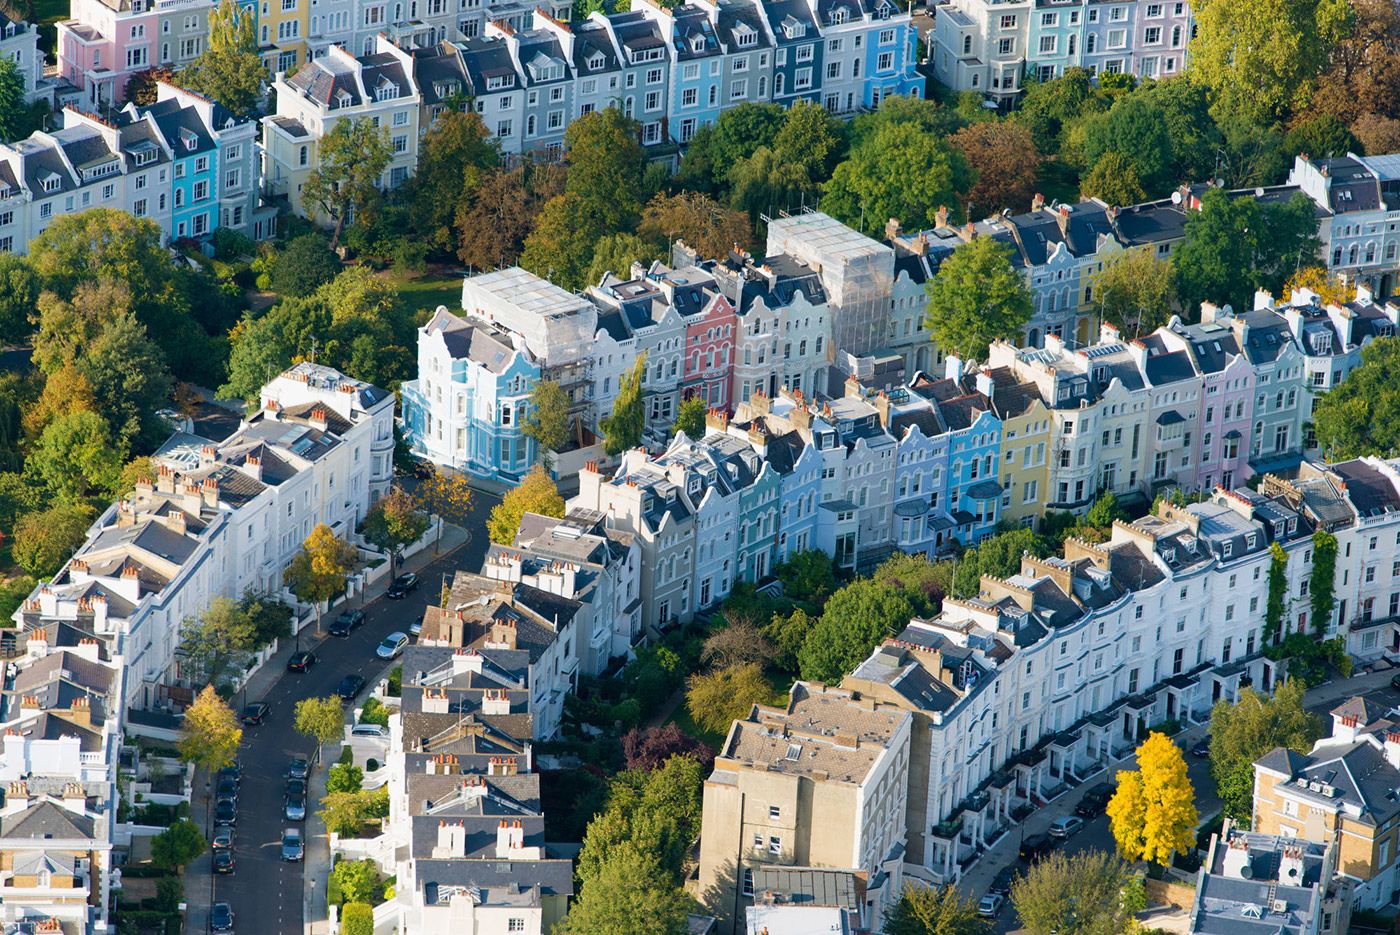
{"x": 424, "y": 292}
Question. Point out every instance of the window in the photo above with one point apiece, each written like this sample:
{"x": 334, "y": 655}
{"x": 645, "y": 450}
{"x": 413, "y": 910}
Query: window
{"x": 515, "y": 925}
{"x": 775, "y": 812}
{"x": 1006, "y": 46}
{"x": 884, "y": 61}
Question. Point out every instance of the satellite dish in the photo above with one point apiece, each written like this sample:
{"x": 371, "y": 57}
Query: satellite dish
{"x": 1176, "y": 198}
{"x": 1259, "y": 193}
{"x": 1219, "y": 183}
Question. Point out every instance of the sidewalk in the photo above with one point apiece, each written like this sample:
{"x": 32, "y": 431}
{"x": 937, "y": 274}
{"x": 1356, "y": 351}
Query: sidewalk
{"x": 199, "y": 875}
{"x": 975, "y": 881}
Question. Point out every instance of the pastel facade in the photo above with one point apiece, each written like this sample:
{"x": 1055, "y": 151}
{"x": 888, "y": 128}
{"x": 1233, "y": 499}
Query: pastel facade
{"x": 104, "y": 43}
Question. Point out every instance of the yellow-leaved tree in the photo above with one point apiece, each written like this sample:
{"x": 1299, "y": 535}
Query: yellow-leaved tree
{"x": 1153, "y": 813}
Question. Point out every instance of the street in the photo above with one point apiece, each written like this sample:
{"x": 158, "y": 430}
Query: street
{"x": 265, "y": 892}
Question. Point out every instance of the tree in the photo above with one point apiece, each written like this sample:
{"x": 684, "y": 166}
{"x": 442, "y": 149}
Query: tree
{"x": 446, "y": 496}
{"x": 351, "y": 159}
{"x": 791, "y": 172}
{"x": 707, "y": 227}
{"x": 735, "y": 135}
{"x": 321, "y": 719}
{"x": 1153, "y": 812}
{"x": 1195, "y": 139}
{"x": 346, "y": 813}
{"x": 648, "y": 748}
{"x": 615, "y": 253}
{"x": 43, "y": 540}
{"x": 1135, "y": 129}
{"x": 1322, "y": 594}
{"x": 76, "y": 457}
{"x": 927, "y": 910}
{"x": 101, "y": 243}
{"x": 141, "y": 87}
{"x": 738, "y": 643}
{"x": 358, "y": 880}
{"x": 1049, "y": 107}
{"x": 1113, "y": 180}
{"x": 455, "y": 157}
{"x": 716, "y": 699}
{"x": 12, "y": 104}
{"x": 854, "y": 621}
{"x": 606, "y": 163}
{"x": 492, "y": 225}
{"x": 1233, "y": 246}
{"x": 1320, "y": 136}
{"x": 210, "y": 734}
{"x": 1002, "y": 157}
{"x": 19, "y": 291}
{"x": 357, "y": 919}
{"x": 629, "y": 895}
{"x": 901, "y": 173}
{"x": 1083, "y": 893}
{"x": 535, "y": 494}
{"x": 657, "y": 812}
{"x": 1275, "y": 604}
{"x": 224, "y": 632}
{"x": 1376, "y": 133}
{"x": 1246, "y": 730}
{"x": 230, "y": 70}
{"x": 129, "y": 379}
{"x": 1135, "y": 291}
{"x": 394, "y": 521}
{"x": 807, "y": 576}
{"x": 304, "y": 265}
{"x": 690, "y": 418}
{"x": 178, "y": 845}
{"x": 345, "y": 777}
{"x": 319, "y": 571}
{"x": 1259, "y": 57}
{"x": 547, "y": 420}
{"x": 1104, "y": 511}
{"x": 623, "y": 429}
{"x": 560, "y": 248}
{"x": 1361, "y": 415}
{"x": 976, "y": 298}
{"x": 1328, "y": 289}
{"x": 788, "y": 633}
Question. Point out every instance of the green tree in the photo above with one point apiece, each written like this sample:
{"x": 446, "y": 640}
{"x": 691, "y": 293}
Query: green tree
{"x": 321, "y": 719}
{"x": 1082, "y": 893}
{"x": 736, "y": 135}
{"x": 455, "y": 156}
{"x": 1104, "y": 511}
{"x": 603, "y": 151}
{"x": 1153, "y": 811}
{"x": 351, "y": 158}
{"x": 706, "y": 226}
{"x": 346, "y": 813}
{"x": 927, "y": 910}
{"x": 716, "y": 699}
{"x": 1361, "y": 415}
{"x": 656, "y": 812}
{"x": 230, "y": 71}
{"x": 1136, "y": 129}
{"x": 1233, "y": 246}
{"x": 629, "y": 895}
{"x": 1321, "y": 136}
{"x": 1244, "y": 731}
{"x": 1049, "y": 107}
{"x": 76, "y": 457}
{"x": 690, "y": 418}
{"x": 535, "y": 494}
{"x": 304, "y": 265}
{"x": 210, "y": 734}
{"x": 900, "y": 173}
{"x": 12, "y": 105}
{"x": 547, "y": 420}
{"x": 129, "y": 379}
{"x": 43, "y": 540}
{"x": 1135, "y": 291}
{"x": 357, "y": 919}
{"x": 615, "y": 253}
{"x": 623, "y": 429}
{"x": 358, "y": 880}
{"x": 319, "y": 571}
{"x": 804, "y": 153}
{"x": 855, "y": 620}
{"x": 446, "y": 496}
{"x": 1113, "y": 180}
{"x": 223, "y": 633}
{"x": 178, "y": 845}
{"x": 560, "y": 248}
{"x": 394, "y": 521}
{"x": 1195, "y": 139}
{"x": 976, "y": 298}
{"x": 1275, "y": 604}
{"x": 1322, "y": 593}
{"x": 807, "y": 576}
{"x": 19, "y": 292}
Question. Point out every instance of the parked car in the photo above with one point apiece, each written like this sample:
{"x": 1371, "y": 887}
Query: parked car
{"x": 1001, "y": 883}
{"x": 415, "y": 629}
{"x": 990, "y": 905}
{"x": 227, "y": 791}
{"x": 294, "y": 809}
{"x": 297, "y": 768}
{"x": 234, "y": 770}
{"x": 223, "y": 861}
{"x": 393, "y": 645}
{"x": 347, "y": 621}
{"x": 226, "y": 813}
{"x": 256, "y": 712}
{"x": 223, "y": 837}
{"x": 1066, "y": 827}
{"x": 350, "y": 686}
{"x": 292, "y": 848}
{"x": 221, "y": 918}
{"x": 1202, "y": 749}
{"x": 1035, "y": 847}
{"x": 403, "y": 585}
{"x": 295, "y": 787}
{"x": 1095, "y": 800}
{"x": 301, "y": 661}
{"x": 1395, "y": 682}
{"x": 369, "y": 730}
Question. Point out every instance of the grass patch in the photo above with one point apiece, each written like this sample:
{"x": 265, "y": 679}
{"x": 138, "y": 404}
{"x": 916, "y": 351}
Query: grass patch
{"x": 424, "y": 292}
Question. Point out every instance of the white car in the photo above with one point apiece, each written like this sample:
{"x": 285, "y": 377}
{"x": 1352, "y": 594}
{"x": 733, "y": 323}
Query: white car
{"x": 990, "y": 905}
{"x": 369, "y": 730}
{"x": 393, "y": 645}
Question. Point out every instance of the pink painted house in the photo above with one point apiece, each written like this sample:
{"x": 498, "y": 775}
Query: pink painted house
{"x": 709, "y": 352}
{"x": 104, "y": 42}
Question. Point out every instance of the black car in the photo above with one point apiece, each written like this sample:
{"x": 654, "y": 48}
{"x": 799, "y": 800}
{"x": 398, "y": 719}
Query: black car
{"x": 350, "y": 686}
{"x": 297, "y": 768}
{"x": 1094, "y": 802}
{"x": 232, "y": 771}
{"x": 220, "y": 918}
{"x": 226, "y": 813}
{"x": 301, "y": 661}
{"x": 1036, "y": 846}
{"x": 347, "y": 621}
{"x": 256, "y": 712}
{"x": 296, "y": 787}
{"x": 403, "y": 585}
{"x": 227, "y": 791}
{"x": 1001, "y": 883}
{"x": 223, "y": 861}
{"x": 1202, "y": 749}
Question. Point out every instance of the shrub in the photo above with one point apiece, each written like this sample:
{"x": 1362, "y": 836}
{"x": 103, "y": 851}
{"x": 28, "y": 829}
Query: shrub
{"x": 357, "y": 919}
{"x": 169, "y": 892}
{"x": 374, "y": 713}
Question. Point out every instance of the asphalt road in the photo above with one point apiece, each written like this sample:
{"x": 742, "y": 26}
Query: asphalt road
{"x": 264, "y": 891}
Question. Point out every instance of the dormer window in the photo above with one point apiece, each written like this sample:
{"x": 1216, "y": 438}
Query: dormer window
{"x": 544, "y": 68}
{"x": 840, "y": 15}
{"x": 793, "y": 29}
{"x": 697, "y": 43}
{"x": 500, "y": 82}
{"x": 445, "y": 88}
{"x": 596, "y": 61}
{"x": 342, "y": 98}
{"x": 52, "y": 182}
{"x": 188, "y": 140}
{"x": 744, "y": 36}
{"x": 386, "y": 90}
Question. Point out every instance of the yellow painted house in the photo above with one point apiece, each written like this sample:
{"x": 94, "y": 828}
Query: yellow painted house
{"x": 1025, "y": 446}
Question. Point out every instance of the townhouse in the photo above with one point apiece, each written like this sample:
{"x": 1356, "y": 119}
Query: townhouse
{"x": 19, "y": 42}
{"x": 818, "y": 783}
{"x": 104, "y": 43}
{"x": 991, "y": 48}
{"x": 182, "y": 162}
{"x": 1252, "y": 884}
{"x": 220, "y": 519}
{"x": 1358, "y": 201}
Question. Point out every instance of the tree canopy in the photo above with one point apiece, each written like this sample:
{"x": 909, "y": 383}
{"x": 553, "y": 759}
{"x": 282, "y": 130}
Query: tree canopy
{"x": 976, "y": 298}
{"x": 1244, "y": 731}
{"x": 900, "y": 173}
{"x": 351, "y": 158}
{"x": 230, "y": 71}
{"x": 1361, "y": 415}
{"x": 1153, "y": 811}
{"x": 537, "y": 493}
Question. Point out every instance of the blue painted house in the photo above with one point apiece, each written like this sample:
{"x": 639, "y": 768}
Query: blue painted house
{"x": 697, "y": 68}
{"x": 468, "y": 407}
{"x": 194, "y": 170}
{"x": 970, "y": 491}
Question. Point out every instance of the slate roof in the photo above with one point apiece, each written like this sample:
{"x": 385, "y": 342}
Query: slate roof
{"x": 46, "y": 819}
